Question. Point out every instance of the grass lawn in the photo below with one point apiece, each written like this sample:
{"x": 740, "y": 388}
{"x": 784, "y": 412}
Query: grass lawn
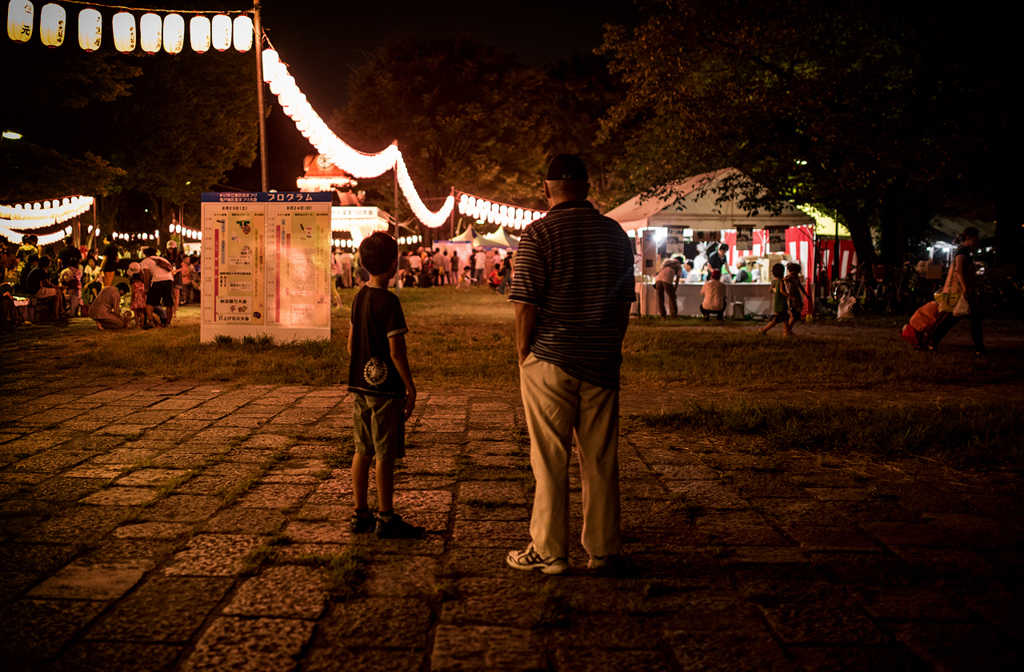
{"x": 828, "y": 387}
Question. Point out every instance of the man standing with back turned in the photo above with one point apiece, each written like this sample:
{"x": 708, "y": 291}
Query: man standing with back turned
{"x": 573, "y": 288}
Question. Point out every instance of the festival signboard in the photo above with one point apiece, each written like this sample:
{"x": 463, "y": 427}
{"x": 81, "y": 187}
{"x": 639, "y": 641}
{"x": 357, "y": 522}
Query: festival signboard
{"x": 266, "y": 265}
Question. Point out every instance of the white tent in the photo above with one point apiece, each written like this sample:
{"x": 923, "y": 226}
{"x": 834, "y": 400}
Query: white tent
{"x": 467, "y": 236}
{"x": 497, "y": 239}
{"x": 692, "y": 204}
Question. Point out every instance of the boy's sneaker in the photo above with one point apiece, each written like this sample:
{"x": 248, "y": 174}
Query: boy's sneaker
{"x": 531, "y": 560}
{"x": 396, "y": 528}
{"x": 362, "y": 524}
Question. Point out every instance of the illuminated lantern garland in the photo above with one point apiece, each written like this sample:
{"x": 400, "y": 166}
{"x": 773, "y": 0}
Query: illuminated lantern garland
{"x": 508, "y": 216}
{"x": 353, "y": 162}
{"x": 20, "y": 14}
{"x": 52, "y": 24}
{"x": 199, "y": 34}
{"x": 40, "y": 215}
{"x": 150, "y": 33}
{"x": 15, "y": 219}
{"x": 124, "y": 32}
{"x": 174, "y": 33}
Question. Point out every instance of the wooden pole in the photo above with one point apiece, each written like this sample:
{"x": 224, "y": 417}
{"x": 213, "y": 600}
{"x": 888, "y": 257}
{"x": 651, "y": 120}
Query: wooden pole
{"x": 258, "y": 26}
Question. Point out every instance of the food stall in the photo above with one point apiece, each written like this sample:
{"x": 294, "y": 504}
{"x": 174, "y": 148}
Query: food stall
{"x": 692, "y": 213}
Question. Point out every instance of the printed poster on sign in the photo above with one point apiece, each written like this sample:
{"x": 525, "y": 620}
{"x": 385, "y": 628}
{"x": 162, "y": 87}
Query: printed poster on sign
{"x": 744, "y": 238}
{"x": 233, "y": 242}
{"x": 777, "y": 239}
{"x": 674, "y": 240}
{"x": 298, "y": 266}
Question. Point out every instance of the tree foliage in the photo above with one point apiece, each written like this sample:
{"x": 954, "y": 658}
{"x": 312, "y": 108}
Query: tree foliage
{"x": 463, "y": 114}
{"x": 877, "y": 111}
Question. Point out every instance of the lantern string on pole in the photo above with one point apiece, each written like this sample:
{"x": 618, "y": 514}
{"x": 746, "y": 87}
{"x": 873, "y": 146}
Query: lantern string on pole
{"x": 154, "y": 9}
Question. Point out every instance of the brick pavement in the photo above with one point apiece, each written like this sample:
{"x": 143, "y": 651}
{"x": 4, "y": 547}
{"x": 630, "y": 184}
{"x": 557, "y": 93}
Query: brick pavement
{"x": 149, "y": 525}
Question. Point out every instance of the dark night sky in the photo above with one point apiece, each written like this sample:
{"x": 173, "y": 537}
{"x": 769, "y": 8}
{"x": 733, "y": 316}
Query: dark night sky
{"x": 320, "y": 40}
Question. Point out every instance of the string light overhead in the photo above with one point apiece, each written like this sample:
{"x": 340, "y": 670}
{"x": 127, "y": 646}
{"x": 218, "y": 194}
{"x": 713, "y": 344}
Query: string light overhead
{"x": 150, "y": 33}
{"x": 353, "y": 162}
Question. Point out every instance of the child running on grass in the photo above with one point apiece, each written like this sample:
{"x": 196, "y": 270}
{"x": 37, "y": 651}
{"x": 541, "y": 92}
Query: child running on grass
{"x": 385, "y": 395}
{"x": 779, "y": 302}
{"x": 795, "y": 293}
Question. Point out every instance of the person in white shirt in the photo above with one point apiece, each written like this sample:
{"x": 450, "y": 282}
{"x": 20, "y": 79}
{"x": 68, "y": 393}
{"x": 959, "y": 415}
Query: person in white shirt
{"x": 158, "y": 275}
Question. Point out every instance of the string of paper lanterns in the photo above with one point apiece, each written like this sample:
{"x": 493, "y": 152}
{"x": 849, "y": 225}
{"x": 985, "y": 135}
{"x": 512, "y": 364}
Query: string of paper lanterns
{"x": 353, "y": 162}
{"x": 41, "y": 214}
{"x": 151, "y": 34}
{"x": 44, "y": 239}
{"x": 508, "y": 216}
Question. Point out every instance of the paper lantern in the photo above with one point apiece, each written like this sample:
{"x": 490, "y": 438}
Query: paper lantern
{"x": 174, "y": 33}
{"x": 270, "y": 61}
{"x": 20, "y": 15}
{"x": 150, "y": 32}
{"x": 52, "y": 24}
{"x": 199, "y": 34}
{"x": 221, "y": 28}
{"x": 90, "y": 29}
{"x": 124, "y": 32}
{"x": 243, "y": 33}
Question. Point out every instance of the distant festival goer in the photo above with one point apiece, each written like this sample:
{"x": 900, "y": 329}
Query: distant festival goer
{"x": 963, "y": 280}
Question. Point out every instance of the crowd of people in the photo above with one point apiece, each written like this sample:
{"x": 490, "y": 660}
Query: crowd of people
{"x": 65, "y": 281}
{"x": 431, "y": 267}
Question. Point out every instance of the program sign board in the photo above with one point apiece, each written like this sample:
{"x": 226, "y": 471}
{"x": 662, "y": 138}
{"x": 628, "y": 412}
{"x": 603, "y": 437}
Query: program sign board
{"x": 266, "y": 265}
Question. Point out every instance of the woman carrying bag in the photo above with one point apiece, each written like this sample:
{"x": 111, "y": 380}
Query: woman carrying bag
{"x": 961, "y": 280}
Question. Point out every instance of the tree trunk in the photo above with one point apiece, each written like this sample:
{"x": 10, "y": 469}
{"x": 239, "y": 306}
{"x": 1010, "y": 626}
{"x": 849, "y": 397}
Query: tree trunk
{"x": 857, "y": 222}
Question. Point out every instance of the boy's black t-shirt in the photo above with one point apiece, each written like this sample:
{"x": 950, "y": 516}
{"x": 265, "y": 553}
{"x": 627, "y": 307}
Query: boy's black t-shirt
{"x": 376, "y": 317}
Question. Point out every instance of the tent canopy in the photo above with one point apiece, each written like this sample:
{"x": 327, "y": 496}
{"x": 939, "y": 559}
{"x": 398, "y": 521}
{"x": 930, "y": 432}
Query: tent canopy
{"x": 497, "y": 239}
{"x": 691, "y": 203}
{"x": 467, "y": 236}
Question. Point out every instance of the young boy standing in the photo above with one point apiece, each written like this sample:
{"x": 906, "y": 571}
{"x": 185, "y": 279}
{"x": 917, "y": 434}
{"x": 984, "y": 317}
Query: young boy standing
{"x": 385, "y": 395}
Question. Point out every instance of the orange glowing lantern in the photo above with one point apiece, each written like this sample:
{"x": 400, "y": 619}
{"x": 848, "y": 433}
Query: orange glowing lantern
{"x": 243, "y": 33}
{"x": 221, "y": 29}
{"x": 199, "y": 34}
{"x": 124, "y": 32}
{"x": 174, "y": 33}
{"x": 20, "y": 15}
{"x": 150, "y": 32}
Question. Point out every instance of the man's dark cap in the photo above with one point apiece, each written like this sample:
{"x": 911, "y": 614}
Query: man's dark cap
{"x": 567, "y": 167}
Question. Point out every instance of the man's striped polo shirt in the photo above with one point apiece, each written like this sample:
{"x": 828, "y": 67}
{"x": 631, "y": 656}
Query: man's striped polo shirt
{"x": 576, "y": 266}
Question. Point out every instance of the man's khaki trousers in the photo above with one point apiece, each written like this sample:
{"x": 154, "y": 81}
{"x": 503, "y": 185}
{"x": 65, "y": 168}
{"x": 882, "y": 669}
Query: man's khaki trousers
{"x": 557, "y": 405}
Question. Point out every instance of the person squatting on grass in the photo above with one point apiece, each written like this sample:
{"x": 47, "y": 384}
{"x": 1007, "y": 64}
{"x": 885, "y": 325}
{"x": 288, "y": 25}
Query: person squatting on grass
{"x": 573, "y": 288}
{"x": 779, "y": 302}
{"x": 106, "y": 308}
{"x": 385, "y": 395}
{"x": 713, "y": 293}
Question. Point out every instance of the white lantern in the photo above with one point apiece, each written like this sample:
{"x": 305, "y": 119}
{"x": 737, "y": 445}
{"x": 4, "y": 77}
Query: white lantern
{"x": 150, "y": 31}
{"x": 174, "y": 33}
{"x": 270, "y": 61}
{"x": 53, "y": 22}
{"x": 124, "y": 32}
{"x": 90, "y": 29}
{"x": 20, "y": 14}
{"x": 243, "y": 33}
{"x": 199, "y": 34}
{"x": 221, "y": 32}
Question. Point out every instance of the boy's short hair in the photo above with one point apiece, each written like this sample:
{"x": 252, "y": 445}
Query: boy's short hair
{"x": 716, "y": 274}
{"x": 378, "y": 251}
{"x": 778, "y": 270}
{"x": 149, "y": 251}
{"x": 793, "y": 267}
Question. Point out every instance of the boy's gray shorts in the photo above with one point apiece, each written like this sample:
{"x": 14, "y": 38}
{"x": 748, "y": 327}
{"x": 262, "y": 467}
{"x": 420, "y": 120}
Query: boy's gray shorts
{"x": 379, "y": 426}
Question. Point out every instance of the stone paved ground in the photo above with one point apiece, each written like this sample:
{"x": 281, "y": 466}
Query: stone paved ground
{"x": 150, "y": 526}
